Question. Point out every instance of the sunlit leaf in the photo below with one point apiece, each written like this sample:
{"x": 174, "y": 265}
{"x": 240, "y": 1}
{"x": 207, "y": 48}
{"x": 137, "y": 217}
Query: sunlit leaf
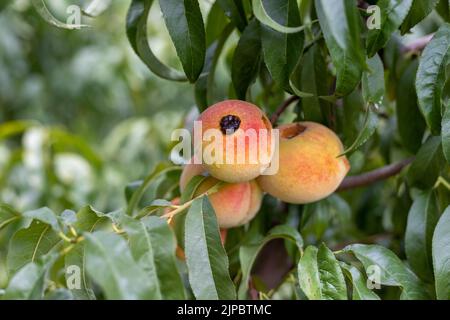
{"x": 206, "y": 258}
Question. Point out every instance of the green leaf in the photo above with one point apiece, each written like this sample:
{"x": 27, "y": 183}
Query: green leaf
{"x": 235, "y": 12}
{"x": 281, "y": 51}
{"x": 430, "y": 78}
{"x": 43, "y": 11}
{"x": 205, "y": 83}
{"x": 392, "y": 270}
{"x": 27, "y": 245}
{"x": 373, "y": 86}
{"x": 160, "y": 170}
{"x": 30, "y": 281}
{"x": 420, "y": 9}
{"x": 393, "y": 12}
{"x": 136, "y": 27}
{"x": 264, "y": 12}
{"x": 88, "y": 220}
{"x": 7, "y": 215}
{"x": 246, "y": 59}
{"x": 427, "y": 165}
{"x": 46, "y": 216}
{"x": 249, "y": 253}
{"x": 206, "y": 258}
{"x": 410, "y": 122}
{"x": 359, "y": 283}
{"x": 310, "y": 75}
{"x": 216, "y": 23}
{"x": 109, "y": 263}
{"x": 308, "y": 274}
{"x": 369, "y": 128}
{"x": 320, "y": 276}
{"x": 422, "y": 219}
{"x": 185, "y": 25}
{"x": 340, "y": 23}
{"x": 154, "y": 207}
{"x": 443, "y": 8}
{"x": 441, "y": 256}
{"x": 445, "y": 134}
{"x": 153, "y": 246}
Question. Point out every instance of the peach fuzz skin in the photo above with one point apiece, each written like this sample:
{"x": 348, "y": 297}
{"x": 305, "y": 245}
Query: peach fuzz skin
{"x": 250, "y": 117}
{"x": 234, "y": 204}
{"x": 309, "y": 166}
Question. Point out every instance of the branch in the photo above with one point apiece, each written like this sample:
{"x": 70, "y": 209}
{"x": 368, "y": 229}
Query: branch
{"x": 374, "y": 176}
{"x": 281, "y": 108}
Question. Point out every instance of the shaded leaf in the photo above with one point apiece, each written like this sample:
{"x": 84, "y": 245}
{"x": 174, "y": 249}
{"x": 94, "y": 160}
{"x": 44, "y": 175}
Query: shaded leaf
{"x": 340, "y": 24}
{"x": 373, "y": 86}
{"x": 393, "y": 12}
{"x": 235, "y": 12}
{"x": 205, "y": 83}
{"x": 410, "y": 122}
{"x": 443, "y": 8}
{"x": 310, "y": 75}
{"x": 216, "y": 23}
{"x": 427, "y": 165}
{"x": 368, "y": 129}
{"x": 246, "y": 59}
{"x": 249, "y": 253}
{"x": 159, "y": 171}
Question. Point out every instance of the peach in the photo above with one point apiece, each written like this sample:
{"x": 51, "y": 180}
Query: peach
{"x": 310, "y": 168}
{"x": 235, "y": 204}
{"x": 244, "y": 133}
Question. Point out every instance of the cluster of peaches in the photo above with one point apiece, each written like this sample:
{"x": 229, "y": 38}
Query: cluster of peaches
{"x": 309, "y": 167}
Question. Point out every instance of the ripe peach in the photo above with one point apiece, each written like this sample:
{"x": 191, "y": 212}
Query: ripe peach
{"x": 309, "y": 166}
{"x": 234, "y": 204}
{"x": 244, "y": 132}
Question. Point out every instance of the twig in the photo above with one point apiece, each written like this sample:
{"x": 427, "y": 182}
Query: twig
{"x": 282, "y": 108}
{"x": 417, "y": 45}
{"x": 374, "y": 176}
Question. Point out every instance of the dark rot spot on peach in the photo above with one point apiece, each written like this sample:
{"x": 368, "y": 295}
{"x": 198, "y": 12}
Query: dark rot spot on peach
{"x": 292, "y": 131}
{"x": 229, "y": 124}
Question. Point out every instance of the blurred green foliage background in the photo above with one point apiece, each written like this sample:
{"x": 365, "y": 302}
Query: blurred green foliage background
{"x": 80, "y": 114}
